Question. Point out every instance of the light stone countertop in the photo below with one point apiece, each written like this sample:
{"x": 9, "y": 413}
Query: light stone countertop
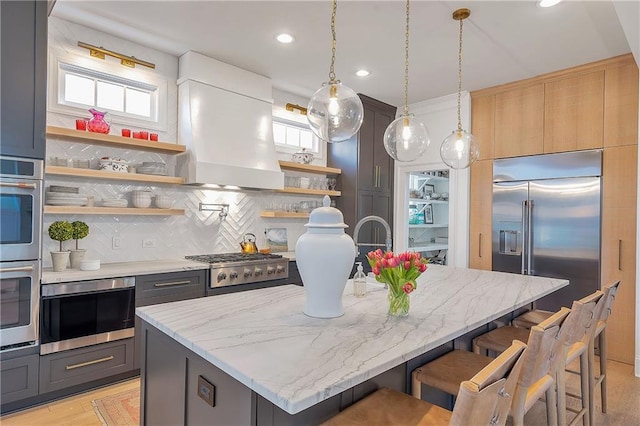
{"x": 122, "y": 269}
{"x": 263, "y": 339}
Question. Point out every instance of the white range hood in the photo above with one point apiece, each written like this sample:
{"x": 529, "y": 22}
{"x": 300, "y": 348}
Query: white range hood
{"x": 224, "y": 120}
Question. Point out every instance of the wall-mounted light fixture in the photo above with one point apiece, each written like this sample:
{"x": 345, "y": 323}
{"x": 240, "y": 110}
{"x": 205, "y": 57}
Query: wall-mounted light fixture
{"x": 293, "y": 107}
{"x": 128, "y": 61}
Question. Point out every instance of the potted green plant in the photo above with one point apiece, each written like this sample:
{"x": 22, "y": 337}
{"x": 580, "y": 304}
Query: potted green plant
{"x": 80, "y": 230}
{"x": 60, "y": 231}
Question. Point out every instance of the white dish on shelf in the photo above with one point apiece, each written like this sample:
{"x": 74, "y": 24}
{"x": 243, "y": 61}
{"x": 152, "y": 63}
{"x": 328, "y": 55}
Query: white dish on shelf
{"x": 90, "y": 265}
{"x": 64, "y": 195}
{"x": 66, "y": 202}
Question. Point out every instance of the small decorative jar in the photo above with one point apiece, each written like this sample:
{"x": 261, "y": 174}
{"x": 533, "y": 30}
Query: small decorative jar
{"x": 325, "y": 256}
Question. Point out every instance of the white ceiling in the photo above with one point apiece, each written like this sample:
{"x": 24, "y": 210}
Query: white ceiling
{"x": 503, "y": 40}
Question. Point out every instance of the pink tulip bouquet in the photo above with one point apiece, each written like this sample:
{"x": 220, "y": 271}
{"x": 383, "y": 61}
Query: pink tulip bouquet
{"x": 399, "y": 272}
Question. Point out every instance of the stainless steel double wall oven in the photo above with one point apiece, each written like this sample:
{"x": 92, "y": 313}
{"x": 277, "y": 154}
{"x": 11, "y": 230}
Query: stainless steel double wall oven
{"x": 20, "y": 233}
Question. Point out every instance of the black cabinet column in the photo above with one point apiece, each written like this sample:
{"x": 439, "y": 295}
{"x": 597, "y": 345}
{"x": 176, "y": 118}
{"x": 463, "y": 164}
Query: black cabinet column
{"x": 367, "y": 174}
{"x": 23, "y": 78}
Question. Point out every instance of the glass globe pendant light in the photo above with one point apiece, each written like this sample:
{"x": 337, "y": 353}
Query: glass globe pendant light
{"x": 406, "y": 138}
{"x": 460, "y": 149}
{"x": 335, "y": 111}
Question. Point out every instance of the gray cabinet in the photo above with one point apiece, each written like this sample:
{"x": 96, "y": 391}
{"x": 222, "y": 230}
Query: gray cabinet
{"x": 23, "y": 74}
{"x": 367, "y": 173}
{"x": 19, "y": 378}
{"x": 164, "y": 288}
{"x": 69, "y": 368}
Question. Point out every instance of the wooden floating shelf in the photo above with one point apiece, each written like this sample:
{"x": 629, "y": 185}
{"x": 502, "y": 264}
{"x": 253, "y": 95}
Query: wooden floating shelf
{"x": 113, "y": 140}
{"x": 430, "y": 247}
{"x": 102, "y": 174}
{"x": 307, "y": 191}
{"x": 298, "y": 215}
{"x": 423, "y": 201}
{"x": 112, "y": 211}
{"x": 309, "y": 168}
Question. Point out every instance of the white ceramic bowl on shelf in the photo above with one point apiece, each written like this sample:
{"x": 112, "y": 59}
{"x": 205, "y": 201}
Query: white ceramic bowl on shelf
{"x": 163, "y": 202}
{"x": 113, "y": 165}
{"x": 141, "y": 199}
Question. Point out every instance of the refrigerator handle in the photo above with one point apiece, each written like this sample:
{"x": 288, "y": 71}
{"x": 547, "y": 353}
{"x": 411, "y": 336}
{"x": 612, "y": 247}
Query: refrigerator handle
{"x": 524, "y": 233}
{"x": 619, "y": 255}
{"x": 530, "y": 238}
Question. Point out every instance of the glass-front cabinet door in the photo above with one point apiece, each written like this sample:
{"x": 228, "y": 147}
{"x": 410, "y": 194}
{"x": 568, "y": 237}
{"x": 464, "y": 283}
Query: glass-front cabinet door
{"x": 428, "y": 229}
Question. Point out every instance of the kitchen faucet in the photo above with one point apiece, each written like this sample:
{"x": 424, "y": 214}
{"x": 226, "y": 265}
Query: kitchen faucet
{"x": 366, "y": 219}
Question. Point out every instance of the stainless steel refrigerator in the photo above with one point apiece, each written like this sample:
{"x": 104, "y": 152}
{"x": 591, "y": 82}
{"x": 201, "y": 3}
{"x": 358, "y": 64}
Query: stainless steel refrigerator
{"x": 546, "y": 220}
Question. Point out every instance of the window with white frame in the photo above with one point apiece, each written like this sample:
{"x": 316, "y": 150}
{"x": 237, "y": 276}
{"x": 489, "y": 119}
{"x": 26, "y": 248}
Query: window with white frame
{"x": 131, "y": 96}
{"x": 291, "y": 133}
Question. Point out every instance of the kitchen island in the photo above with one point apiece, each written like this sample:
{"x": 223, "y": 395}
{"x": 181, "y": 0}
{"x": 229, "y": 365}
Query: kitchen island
{"x": 255, "y": 358}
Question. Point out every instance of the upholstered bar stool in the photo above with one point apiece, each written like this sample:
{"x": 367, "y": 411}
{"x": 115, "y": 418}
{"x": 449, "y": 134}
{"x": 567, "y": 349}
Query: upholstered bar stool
{"x": 529, "y": 319}
{"x": 578, "y": 336}
{"x": 483, "y": 400}
{"x": 537, "y": 377}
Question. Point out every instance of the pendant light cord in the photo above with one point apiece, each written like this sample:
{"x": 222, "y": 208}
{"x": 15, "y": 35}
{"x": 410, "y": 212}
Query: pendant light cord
{"x": 460, "y": 75}
{"x": 406, "y": 65}
{"x": 332, "y": 73}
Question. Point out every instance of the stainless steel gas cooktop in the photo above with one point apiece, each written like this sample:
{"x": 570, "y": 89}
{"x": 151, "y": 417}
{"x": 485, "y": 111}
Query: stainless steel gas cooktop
{"x": 240, "y": 268}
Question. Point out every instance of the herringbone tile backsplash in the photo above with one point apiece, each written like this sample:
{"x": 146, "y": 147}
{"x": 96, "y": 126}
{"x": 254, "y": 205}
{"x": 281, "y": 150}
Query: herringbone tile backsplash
{"x": 195, "y": 232}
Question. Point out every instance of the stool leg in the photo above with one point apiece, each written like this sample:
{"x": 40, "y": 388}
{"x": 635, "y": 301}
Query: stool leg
{"x": 561, "y": 395}
{"x": 416, "y": 385}
{"x": 586, "y": 381}
{"x": 602, "y": 343}
{"x": 552, "y": 409}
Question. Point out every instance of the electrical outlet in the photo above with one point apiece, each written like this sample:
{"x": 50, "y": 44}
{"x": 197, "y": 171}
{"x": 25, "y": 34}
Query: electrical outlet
{"x": 148, "y": 243}
{"x": 116, "y": 243}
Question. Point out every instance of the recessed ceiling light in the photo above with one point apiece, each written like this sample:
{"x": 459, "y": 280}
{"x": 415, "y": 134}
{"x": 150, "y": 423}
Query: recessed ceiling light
{"x": 362, "y": 73}
{"x": 285, "y": 38}
{"x": 548, "y": 3}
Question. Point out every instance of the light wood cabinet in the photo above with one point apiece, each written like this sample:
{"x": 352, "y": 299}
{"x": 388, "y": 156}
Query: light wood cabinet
{"x": 480, "y": 209}
{"x": 621, "y": 105}
{"x": 519, "y": 122}
{"x": 619, "y": 191}
{"x": 590, "y": 106}
{"x": 574, "y": 112}
{"x": 483, "y": 112}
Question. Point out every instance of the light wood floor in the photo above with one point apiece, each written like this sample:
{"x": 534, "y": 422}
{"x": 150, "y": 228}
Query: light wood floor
{"x": 73, "y": 411}
{"x": 623, "y": 390}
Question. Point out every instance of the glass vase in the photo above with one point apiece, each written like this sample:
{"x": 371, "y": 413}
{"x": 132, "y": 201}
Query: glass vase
{"x": 398, "y": 303}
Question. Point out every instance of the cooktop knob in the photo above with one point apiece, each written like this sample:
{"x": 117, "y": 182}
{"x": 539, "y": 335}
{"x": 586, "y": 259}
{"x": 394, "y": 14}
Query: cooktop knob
{"x": 280, "y": 269}
{"x": 247, "y": 273}
{"x": 222, "y": 276}
{"x": 257, "y": 272}
{"x": 233, "y": 275}
{"x": 271, "y": 270}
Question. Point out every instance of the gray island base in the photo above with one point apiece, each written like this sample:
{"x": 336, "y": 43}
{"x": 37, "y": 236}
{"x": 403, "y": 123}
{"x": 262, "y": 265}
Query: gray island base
{"x": 253, "y": 358}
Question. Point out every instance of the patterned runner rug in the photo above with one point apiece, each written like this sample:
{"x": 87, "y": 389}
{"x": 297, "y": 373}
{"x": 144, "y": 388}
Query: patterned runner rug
{"x": 121, "y": 409}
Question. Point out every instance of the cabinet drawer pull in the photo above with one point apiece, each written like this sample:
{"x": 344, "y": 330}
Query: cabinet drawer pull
{"x": 619, "y": 255}
{"x": 172, "y": 283}
{"x": 480, "y": 245}
{"x": 84, "y": 364}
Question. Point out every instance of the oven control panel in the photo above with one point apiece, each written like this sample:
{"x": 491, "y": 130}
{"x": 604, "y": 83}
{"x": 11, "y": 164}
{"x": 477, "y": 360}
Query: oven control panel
{"x": 244, "y": 273}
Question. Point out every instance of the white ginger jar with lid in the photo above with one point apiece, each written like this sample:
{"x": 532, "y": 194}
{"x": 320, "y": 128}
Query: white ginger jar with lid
{"x": 325, "y": 256}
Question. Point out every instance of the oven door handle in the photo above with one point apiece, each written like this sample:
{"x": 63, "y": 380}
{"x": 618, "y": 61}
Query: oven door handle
{"x": 17, "y": 269}
{"x": 21, "y": 185}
